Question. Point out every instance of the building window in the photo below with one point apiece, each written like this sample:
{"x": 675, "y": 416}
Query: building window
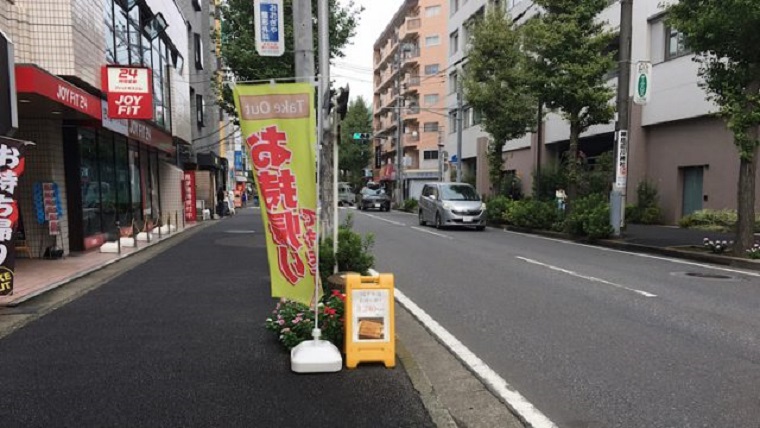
{"x": 477, "y": 117}
{"x": 467, "y": 119}
{"x": 431, "y": 99}
{"x": 430, "y": 127}
{"x": 198, "y": 51}
{"x": 453, "y": 6}
{"x": 453, "y": 42}
{"x": 197, "y": 5}
{"x": 452, "y": 121}
{"x": 452, "y": 82}
{"x": 430, "y": 155}
{"x": 675, "y": 45}
{"x": 431, "y": 69}
{"x": 432, "y": 11}
{"x": 200, "y": 107}
{"x": 432, "y": 40}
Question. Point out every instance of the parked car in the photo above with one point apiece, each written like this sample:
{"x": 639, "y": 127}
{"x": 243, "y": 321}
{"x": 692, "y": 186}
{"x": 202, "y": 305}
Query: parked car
{"x": 451, "y": 204}
{"x": 374, "y": 198}
{"x": 345, "y": 194}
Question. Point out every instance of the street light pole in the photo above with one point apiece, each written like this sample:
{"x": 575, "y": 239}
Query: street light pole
{"x": 440, "y": 155}
{"x": 399, "y": 131}
{"x": 459, "y": 115}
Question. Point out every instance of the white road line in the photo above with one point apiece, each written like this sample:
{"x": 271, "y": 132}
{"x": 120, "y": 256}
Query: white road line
{"x": 513, "y": 399}
{"x": 590, "y": 278}
{"x": 385, "y": 220}
{"x": 646, "y": 256}
{"x": 431, "y": 232}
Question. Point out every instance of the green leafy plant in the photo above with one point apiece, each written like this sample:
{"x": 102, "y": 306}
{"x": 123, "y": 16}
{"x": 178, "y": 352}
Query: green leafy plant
{"x": 711, "y": 220}
{"x": 293, "y": 322}
{"x": 496, "y": 208}
{"x": 754, "y": 252}
{"x": 354, "y": 252}
{"x": 410, "y": 205}
{"x": 717, "y": 246}
{"x": 590, "y": 217}
{"x": 532, "y": 214}
{"x": 646, "y": 210}
{"x": 547, "y": 181}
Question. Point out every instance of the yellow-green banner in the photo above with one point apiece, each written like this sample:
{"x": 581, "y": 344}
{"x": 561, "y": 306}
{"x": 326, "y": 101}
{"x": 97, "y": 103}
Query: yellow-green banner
{"x": 279, "y": 127}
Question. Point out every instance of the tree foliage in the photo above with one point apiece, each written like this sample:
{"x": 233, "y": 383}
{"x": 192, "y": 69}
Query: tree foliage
{"x": 568, "y": 47}
{"x": 724, "y": 35}
{"x": 354, "y": 155}
{"x": 239, "y": 44}
{"x": 496, "y": 84}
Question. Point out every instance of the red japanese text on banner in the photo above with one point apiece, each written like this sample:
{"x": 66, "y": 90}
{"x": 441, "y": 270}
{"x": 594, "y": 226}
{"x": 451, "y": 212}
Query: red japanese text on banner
{"x": 278, "y": 125}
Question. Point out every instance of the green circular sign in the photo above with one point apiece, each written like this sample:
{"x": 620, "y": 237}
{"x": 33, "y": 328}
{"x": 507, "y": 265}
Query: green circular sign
{"x": 643, "y": 85}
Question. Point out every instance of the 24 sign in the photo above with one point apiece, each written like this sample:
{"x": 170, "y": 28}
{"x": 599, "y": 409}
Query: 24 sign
{"x": 130, "y": 94}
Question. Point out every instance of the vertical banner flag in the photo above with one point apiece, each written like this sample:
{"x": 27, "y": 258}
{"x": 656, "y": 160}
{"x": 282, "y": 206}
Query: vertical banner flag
{"x": 268, "y": 17}
{"x": 278, "y": 124}
{"x": 11, "y": 167}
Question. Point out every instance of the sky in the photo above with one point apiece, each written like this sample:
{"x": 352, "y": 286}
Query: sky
{"x": 356, "y": 67}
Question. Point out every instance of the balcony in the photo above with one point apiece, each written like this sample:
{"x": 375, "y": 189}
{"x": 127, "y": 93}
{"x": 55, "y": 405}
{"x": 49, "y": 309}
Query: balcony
{"x": 411, "y": 28}
{"x": 409, "y": 57}
{"x": 411, "y": 83}
{"x": 411, "y": 138}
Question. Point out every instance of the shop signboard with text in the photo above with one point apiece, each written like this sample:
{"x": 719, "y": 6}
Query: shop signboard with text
{"x": 130, "y": 94}
{"x": 11, "y": 168}
{"x": 188, "y": 196}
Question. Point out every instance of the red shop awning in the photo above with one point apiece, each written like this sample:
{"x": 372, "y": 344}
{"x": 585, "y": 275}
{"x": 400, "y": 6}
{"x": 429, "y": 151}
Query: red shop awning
{"x": 33, "y": 80}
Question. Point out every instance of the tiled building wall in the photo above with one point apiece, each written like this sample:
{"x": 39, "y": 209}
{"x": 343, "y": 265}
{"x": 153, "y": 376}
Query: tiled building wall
{"x": 65, "y": 37}
{"x": 171, "y": 192}
{"x": 44, "y": 163}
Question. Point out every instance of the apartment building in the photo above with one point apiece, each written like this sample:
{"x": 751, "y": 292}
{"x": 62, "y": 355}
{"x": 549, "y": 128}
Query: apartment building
{"x": 675, "y": 143}
{"x": 410, "y": 58}
{"x": 105, "y": 171}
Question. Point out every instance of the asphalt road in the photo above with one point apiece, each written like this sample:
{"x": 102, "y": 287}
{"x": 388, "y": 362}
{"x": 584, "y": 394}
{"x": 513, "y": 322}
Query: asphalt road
{"x": 179, "y": 341}
{"x": 592, "y": 337}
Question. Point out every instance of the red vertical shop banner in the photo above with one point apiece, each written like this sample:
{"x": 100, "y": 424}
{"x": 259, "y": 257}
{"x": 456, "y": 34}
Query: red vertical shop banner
{"x": 188, "y": 196}
{"x": 11, "y": 168}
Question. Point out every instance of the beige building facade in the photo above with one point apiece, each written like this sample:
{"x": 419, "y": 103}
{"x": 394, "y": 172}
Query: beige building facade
{"x": 410, "y": 58}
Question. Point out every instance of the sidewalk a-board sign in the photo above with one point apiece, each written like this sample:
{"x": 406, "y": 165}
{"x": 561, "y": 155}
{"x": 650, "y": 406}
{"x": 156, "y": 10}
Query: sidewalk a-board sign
{"x": 12, "y": 165}
{"x": 370, "y": 321}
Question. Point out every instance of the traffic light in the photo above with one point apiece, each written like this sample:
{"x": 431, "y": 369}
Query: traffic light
{"x": 342, "y": 102}
{"x": 362, "y": 136}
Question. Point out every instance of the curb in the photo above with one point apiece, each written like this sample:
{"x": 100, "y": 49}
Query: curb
{"x": 81, "y": 274}
{"x": 646, "y": 249}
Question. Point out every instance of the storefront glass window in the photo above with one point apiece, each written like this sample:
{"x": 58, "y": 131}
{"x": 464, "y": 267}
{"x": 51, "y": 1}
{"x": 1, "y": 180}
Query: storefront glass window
{"x": 124, "y": 192}
{"x": 135, "y": 34}
{"x": 122, "y": 40}
{"x": 110, "y": 32}
{"x": 91, "y": 207}
{"x": 135, "y": 183}
{"x": 108, "y": 184}
{"x": 145, "y": 183}
{"x": 154, "y": 192}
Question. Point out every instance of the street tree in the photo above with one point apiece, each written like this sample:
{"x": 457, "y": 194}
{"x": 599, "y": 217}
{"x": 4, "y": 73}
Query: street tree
{"x": 238, "y": 42}
{"x": 354, "y": 155}
{"x": 496, "y": 83}
{"x": 724, "y": 35}
{"x": 570, "y": 57}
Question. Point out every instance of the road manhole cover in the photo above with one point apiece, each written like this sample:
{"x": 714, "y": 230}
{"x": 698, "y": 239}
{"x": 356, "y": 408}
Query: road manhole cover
{"x": 239, "y": 231}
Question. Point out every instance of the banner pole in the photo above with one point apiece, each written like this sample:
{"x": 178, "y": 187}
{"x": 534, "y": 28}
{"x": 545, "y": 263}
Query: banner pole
{"x": 316, "y": 333}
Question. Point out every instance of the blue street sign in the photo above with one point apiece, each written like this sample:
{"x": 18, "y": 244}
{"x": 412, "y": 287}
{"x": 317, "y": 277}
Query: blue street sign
{"x": 238, "y": 160}
{"x": 270, "y": 33}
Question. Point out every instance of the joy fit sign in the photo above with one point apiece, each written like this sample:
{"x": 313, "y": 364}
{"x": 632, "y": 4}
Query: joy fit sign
{"x": 129, "y": 90}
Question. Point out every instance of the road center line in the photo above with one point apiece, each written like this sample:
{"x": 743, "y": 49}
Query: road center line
{"x": 513, "y": 399}
{"x": 385, "y": 220}
{"x": 586, "y": 277}
{"x": 431, "y": 232}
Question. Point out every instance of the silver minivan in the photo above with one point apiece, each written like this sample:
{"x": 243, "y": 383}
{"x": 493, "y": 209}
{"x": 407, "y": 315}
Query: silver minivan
{"x": 451, "y": 204}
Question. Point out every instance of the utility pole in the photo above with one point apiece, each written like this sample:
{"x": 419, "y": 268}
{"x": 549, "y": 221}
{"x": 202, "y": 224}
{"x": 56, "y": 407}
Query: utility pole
{"x": 440, "y": 155}
{"x": 539, "y": 146}
{"x": 326, "y": 143}
{"x": 618, "y": 194}
{"x": 303, "y": 33}
{"x": 459, "y": 128}
{"x": 399, "y": 131}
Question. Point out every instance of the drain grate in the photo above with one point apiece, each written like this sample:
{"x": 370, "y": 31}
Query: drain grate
{"x": 707, "y": 275}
